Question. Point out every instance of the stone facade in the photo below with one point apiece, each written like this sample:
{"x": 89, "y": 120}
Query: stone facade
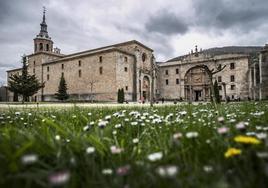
{"x": 182, "y": 79}
{"x": 97, "y": 74}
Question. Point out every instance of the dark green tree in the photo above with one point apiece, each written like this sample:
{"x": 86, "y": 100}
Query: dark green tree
{"x": 123, "y": 95}
{"x": 120, "y": 96}
{"x": 62, "y": 90}
{"x": 217, "y": 92}
{"x": 24, "y": 84}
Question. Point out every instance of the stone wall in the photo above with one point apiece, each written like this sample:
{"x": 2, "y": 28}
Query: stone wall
{"x": 240, "y": 72}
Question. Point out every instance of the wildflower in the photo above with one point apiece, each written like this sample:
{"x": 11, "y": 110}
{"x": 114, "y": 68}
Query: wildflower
{"x": 29, "y": 159}
{"x": 117, "y": 126}
{"x": 176, "y": 136}
{"x": 114, "y": 132}
{"x": 247, "y": 140}
{"x": 134, "y": 123}
{"x": 183, "y": 113}
{"x": 167, "y": 171}
{"x": 90, "y": 150}
{"x": 89, "y": 114}
{"x": 232, "y": 152}
{"x": 192, "y": 134}
{"x": 223, "y": 130}
{"x": 155, "y": 156}
{"x": 240, "y": 126}
{"x": 59, "y": 178}
{"x": 221, "y": 119}
{"x": 17, "y": 113}
{"x": 250, "y": 133}
{"x": 115, "y": 150}
{"x": 102, "y": 124}
{"x": 123, "y": 170}
{"x": 262, "y": 154}
{"x": 107, "y": 171}
{"x": 135, "y": 140}
{"x": 57, "y": 137}
{"x": 86, "y": 128}
{"x": 261, "y": 135}
{"x": 108, "y": 118}
{"x": 208, "y": 168}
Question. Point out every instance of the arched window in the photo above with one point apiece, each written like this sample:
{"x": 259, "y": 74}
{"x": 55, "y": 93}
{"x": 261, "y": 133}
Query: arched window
{"x": 35, "y": 47}
{"x": 144, "y": 57}
{"x": 41, "y": 46}
{"x": 47, "y": 47}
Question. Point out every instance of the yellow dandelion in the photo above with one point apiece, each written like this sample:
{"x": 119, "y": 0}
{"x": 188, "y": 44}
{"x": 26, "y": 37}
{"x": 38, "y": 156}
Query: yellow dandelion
{"x": 232, "y": 152}
{"x": 247, "y": 140}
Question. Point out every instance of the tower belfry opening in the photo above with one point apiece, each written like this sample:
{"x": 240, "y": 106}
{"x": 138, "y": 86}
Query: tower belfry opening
{"x": 42, "y": 41}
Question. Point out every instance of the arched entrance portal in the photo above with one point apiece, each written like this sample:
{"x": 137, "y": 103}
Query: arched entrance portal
{"x": 146, "y": 88}
{"x": 197, "y": 84}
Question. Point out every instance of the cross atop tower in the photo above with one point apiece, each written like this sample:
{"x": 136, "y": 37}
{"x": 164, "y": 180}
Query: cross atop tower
{"x": 44, "y": 14}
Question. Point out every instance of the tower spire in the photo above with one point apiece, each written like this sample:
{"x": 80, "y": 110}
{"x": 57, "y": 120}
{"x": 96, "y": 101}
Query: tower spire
{"x": 42, "y": 42}
{"x": 44, "y": 14}
{"x": 43, "y": 31}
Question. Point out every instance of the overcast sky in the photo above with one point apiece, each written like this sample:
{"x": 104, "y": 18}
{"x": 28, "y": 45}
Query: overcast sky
{"x": 170, "y": 27}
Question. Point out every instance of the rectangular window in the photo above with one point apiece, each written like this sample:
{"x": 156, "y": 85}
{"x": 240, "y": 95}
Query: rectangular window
{"x": 47, "y": 76}
{"x": 34, "y": 70}
{"x": 79, "y": 63}
{"x": 126, "y": 88}
{"x": 125, "y": 59}
{"x": 219, "y": 66}
{"x": 220, "y": 88}
{"x": 166, "y": 72}
{"x": 177, "y": 81}
{"x": 79, "y": 73}
{"x": 62, "y": 74}
{"x": 167, "y": 82}
{"x": 100, "y": 70}
{"x": 232, "y": 65}
{"x": 177, "y": 71}
{"x": 219, "y": 78}
{"x": 34, "y": 63}
{"x": 125, "y": 69}
{"x": 100, "y": 59}
{"x": 47, "y": 68}
{"x": 232, "y": 78}
{"x": 232, "y": 87}
{"x": 62, "y": 66}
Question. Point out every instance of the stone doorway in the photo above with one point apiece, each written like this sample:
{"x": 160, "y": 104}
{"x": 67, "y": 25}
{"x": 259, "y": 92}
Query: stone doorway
{"x": 146, "y": 88}
{"x": 198, "y": 95}
{"x": 196, "y": 85}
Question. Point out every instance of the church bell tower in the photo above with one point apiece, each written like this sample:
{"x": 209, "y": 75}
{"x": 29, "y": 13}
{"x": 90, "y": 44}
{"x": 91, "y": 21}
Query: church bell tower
{"x": 42, "y": 42}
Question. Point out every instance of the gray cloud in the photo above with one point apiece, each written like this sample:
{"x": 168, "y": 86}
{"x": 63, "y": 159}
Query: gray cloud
{"x": 166, "y": 23}
{"x": 169, "y": 27}
{"x": 240, "y": 15}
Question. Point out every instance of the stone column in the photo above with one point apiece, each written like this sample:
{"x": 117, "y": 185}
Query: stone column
{"x": 260, "y": 71}
{"x": 224, "y": 91}
{"x": 255, "y": 82}
{"x": 250, "y": 83}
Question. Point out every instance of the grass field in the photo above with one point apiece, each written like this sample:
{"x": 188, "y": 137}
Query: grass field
{"x": 168, "y": 146}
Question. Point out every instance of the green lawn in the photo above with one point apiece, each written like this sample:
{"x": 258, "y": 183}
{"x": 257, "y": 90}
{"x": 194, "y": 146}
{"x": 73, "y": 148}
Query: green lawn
{"x": 168, "y": 146}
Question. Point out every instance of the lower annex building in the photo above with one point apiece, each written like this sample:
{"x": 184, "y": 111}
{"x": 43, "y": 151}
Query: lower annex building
{"x": 97, "y": 74}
